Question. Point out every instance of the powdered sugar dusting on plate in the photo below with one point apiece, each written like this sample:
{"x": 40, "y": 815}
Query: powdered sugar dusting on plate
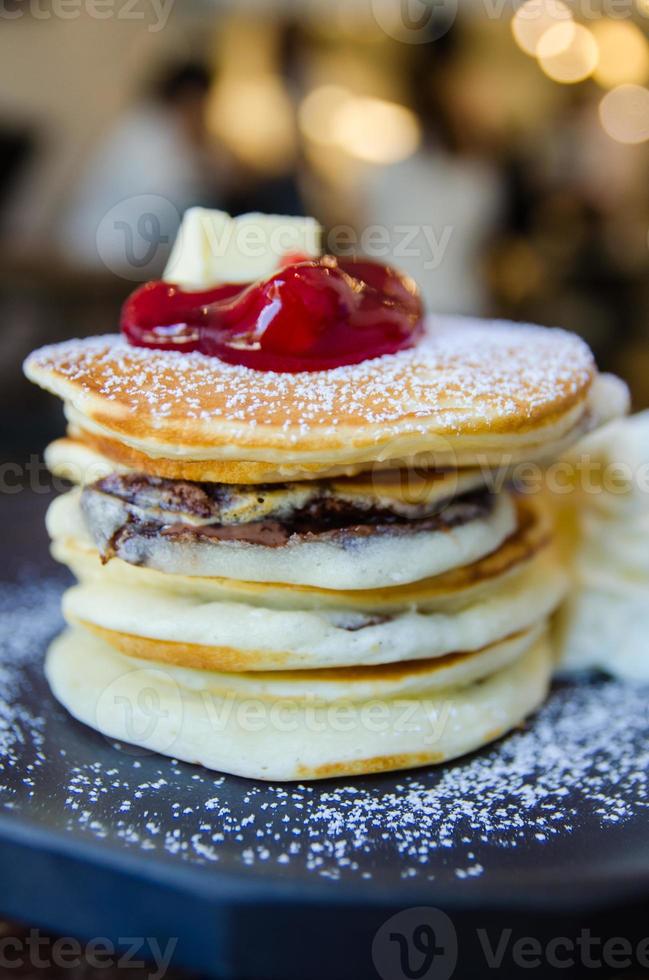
{"x": 582, "y": 762}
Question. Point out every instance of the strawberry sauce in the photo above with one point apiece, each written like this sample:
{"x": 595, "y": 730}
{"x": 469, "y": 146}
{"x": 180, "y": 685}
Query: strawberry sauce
{"x": 310, "y": 316}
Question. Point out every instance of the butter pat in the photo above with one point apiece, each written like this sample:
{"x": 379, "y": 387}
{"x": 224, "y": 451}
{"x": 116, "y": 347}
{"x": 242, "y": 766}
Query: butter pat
{"x": 212, "y": 248}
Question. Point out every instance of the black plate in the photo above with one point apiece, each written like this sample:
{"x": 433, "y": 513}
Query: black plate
{"x": 545, "y": 831}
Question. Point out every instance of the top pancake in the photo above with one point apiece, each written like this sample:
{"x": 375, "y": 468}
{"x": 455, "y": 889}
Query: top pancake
{"x": 470, "y": 391}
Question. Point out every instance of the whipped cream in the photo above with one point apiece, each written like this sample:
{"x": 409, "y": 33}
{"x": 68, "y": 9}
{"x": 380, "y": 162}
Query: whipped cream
{"x": 605, "y": 622}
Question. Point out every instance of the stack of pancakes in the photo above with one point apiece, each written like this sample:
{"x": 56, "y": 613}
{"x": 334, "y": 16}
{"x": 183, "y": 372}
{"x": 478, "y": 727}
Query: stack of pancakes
{"x": 291, "y": 576}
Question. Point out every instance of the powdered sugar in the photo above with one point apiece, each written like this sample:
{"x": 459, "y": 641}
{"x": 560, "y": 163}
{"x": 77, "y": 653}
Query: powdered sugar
{"x": 580, "y": 767}
{"x": 462, "y": 371}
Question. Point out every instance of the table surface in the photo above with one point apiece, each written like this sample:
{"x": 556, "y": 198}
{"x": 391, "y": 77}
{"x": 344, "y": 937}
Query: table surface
{"x": 550, "y": 820}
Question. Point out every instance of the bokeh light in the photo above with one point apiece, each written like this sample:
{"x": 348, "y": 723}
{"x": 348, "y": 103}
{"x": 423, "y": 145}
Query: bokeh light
{"x": 623, "y": 53}
{"x": 534, "y": 19}
{"x": 556, "y": 40}
{"x": 317, "y": 112}
{"x": 624, "y": 114}
{"x": 376, "y": 131}
{"x": 568, "y": 53}
{"x": 254, "y": 118}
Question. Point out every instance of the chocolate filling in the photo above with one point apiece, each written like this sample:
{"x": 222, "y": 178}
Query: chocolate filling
{"x": 204, "y": 500}
{"x": 119, "y": 509}
{"x": 341, "y": 526}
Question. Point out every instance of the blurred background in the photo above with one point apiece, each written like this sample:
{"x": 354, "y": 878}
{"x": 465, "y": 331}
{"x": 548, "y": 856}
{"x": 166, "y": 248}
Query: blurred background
{"x": 495, "y": 150}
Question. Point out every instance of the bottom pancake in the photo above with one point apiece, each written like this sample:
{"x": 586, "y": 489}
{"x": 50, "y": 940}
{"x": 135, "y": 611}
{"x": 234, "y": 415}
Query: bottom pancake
{"x": 279, "y": 736}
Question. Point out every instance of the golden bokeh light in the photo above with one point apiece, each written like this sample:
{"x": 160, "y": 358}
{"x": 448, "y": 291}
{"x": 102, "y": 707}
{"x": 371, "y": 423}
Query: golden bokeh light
{"x": 623, "y": 53}
{"x": 568, "y": 53}
{"x": 318, "y": 110}
{"x": 375, "y": 130}
{"x": 254, "y": 118}
{"x": 534, "y": 18}
{"x": 624, "y": 114}
{"x": 556, "y": 40}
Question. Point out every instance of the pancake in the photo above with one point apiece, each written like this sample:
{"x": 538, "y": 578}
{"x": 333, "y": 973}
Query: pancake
{"x": 72, "y": 545}
{"x": 115, "y": 456}
{"x": 286, "y": 738}
{"x": 312, "y": 506}
{"x": 326, "y": 685}
{"x": 230, "y": 636}
{"x": 75, "y": 460}
{"x": 607, "y": 399}
{"x": 266, "y": 559}
{"x": 468, "y": 393}
{"x": 343, "y": 560}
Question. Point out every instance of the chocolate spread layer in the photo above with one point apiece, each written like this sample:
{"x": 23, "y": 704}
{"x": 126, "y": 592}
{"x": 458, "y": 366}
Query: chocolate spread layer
{"x": 176, "y": 496}
{"x": 316, "y": 503}
{"x": 121, "y": 508}
{"x": 313, "y": 527}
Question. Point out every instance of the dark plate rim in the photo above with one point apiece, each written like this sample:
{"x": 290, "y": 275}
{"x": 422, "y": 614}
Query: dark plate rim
{"x": 534, "y": 891}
